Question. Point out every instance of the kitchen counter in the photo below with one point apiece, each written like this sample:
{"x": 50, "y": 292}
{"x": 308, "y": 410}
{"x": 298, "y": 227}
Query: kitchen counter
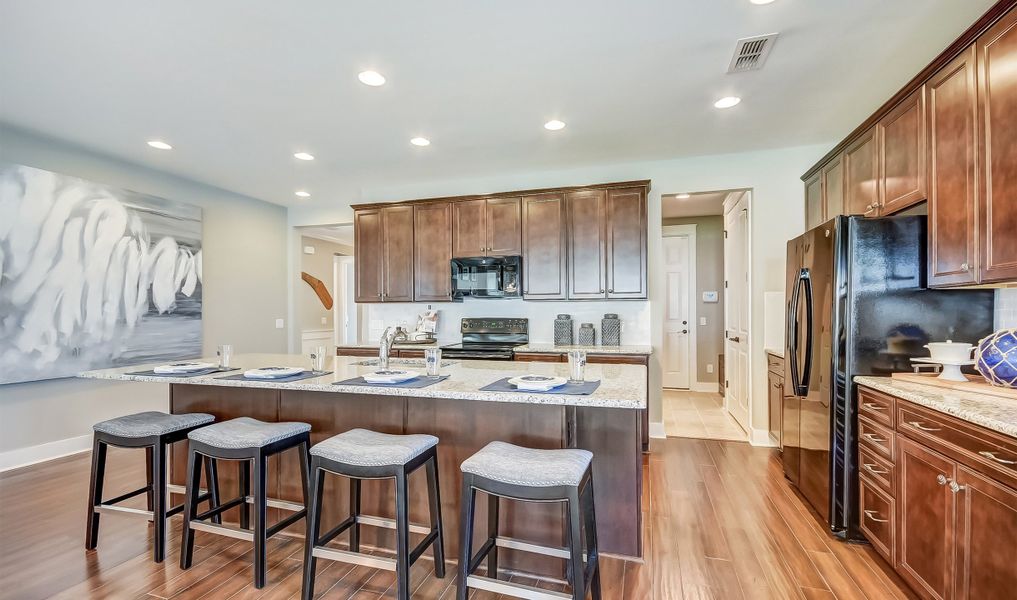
{"x": 552, "y": 349}
{"x": 775, "y": 352}
{"x": 399, "y": 345}
{"x": 621, "y": 386}
{"x": 997, "y": 414}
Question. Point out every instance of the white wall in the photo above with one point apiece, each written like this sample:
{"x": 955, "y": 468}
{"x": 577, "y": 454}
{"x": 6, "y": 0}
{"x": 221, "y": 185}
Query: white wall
{"x": 777, "y": 216}
{"x": 244, "y": 291}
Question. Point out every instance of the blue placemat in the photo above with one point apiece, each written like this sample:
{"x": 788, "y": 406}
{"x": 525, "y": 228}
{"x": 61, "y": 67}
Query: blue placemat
{"x": 417, "y": 382}
{"x": 569, "y": 389}
{"x": 291, "y": 378}
{"x": 151, "y": 373}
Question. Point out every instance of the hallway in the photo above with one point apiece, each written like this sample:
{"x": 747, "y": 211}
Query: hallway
{"x": 699, "y": 415}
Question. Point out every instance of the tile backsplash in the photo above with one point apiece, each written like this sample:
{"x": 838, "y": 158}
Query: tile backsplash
{"x": 1006, "y": 308}
{"x": 634, "y": 314}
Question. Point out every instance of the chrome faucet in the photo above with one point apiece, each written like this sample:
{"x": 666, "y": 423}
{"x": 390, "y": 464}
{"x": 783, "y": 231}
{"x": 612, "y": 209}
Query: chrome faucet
{"x": 387, "y": 338}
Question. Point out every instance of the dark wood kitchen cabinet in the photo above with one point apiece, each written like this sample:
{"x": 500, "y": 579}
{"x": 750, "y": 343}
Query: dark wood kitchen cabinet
{"x": 606, "y": 243}
{"x": 902, "y": 154}
{"x": 626, "y": 243}
{"x": 383, "y": 254}
{"x": 367, "y": 255}
{"x": 925, "y": 515}
{"x": 432, "y": 251}
{"x": 487, "y": 227}
{"x": 545, "y": 267}
{"x": 952, "y": 113}
{"x": 986, "y": 516}
{"x": 815, "y": 213}
{"x": 997, "y": 128}
{"x": 587, "y": 218}
{"x": 861, "y": 176}
{"x": 833, "y": 188}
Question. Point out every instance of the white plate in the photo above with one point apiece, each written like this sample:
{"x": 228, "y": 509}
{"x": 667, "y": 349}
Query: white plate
{"x": 183, "y": 367}
{"x": 390, "y": 376}
{"x": 272, "y": 372}
{"x": 537, "y": 383}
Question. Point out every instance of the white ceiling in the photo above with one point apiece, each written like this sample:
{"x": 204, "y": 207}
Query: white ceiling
{"x": 238, "y": 86}
{"x": 696, "y": 205}
{"x": 340, "y": 234}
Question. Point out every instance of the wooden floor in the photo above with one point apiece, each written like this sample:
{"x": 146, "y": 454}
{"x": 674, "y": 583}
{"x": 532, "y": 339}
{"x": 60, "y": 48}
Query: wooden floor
{"x": 720, "y": 522}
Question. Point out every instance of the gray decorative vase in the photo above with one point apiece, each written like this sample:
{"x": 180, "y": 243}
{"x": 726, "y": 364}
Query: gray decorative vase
{"x": 563, "y": 330}
{"x": 587, "y": 335}
{"x": 610, "y": 330}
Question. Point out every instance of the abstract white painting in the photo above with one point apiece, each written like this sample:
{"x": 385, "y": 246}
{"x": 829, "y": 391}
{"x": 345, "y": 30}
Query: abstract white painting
{"x": 93, "y": 276}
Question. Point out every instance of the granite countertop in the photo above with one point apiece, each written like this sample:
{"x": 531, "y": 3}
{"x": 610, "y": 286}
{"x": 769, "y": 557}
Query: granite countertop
{"x": 622, "y": 386}
{"x": 401, "y": 345}
{"x": 552, "y": 349}
{"x": 774, "y": 351}
{"x": 992, "y": 412}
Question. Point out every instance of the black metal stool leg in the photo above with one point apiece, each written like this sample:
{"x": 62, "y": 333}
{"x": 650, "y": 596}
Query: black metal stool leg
{"x": 493, "y": 509}
{"x": 95, "y": 492}
{"x": 402, "y": 537}
{"x": 260, "y": 520}
{"x": 317, "y": 477}
{"x": 354, "y": 513}
{"x": 469, "y": 495}
{"x": 190, "y": 509}
{"x": 159, "y": 502}
{"x": 434, "y": 497}
{"x": 575, "y": 545}
{"x": 148, "y": 479}
{"x": 212, "y": 483}
{"x": 244, "y": 478}
{"x": 592, "y": 555}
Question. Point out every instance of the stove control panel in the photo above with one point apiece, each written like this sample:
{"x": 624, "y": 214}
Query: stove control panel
{"x": 494, "y": 325}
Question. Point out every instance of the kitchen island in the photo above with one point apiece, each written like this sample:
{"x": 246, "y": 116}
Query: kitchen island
{"x": 606, "y": 422}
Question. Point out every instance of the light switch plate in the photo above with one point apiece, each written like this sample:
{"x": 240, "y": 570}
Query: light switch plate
{"x": 702, "y": 320}
{"x": 709, "y": 367}
{"x": 279, "y": 324}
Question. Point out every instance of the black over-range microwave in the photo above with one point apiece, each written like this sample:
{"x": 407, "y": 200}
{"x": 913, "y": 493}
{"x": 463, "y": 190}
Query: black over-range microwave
{"x": 487, "y": 277}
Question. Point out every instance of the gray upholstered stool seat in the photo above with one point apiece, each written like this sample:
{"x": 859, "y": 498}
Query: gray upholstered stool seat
{"x": 149, "y": 423}
{"x": 245, "y": 432}
{"x": 365, "y": 448}
{"x": 528, "y": 466}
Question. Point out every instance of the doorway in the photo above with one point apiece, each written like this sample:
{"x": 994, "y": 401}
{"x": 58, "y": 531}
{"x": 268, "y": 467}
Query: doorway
{"x": 325, "y": 312}
{"x": 695, "y": 363}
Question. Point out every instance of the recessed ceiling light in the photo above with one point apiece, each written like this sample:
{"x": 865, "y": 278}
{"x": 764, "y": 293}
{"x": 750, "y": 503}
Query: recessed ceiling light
{"x": 159, "y": 145}
{"x": 303, "y": 156}
{"x": 303, "y": 194}
{"x": 727, "y": 102}
{"x": 760, "y": 1}
{"x": 420, "y": 141}
{"x": 371, "y": 78}
{"x": 554, "y": 125}
{"x": 681, "y": 196}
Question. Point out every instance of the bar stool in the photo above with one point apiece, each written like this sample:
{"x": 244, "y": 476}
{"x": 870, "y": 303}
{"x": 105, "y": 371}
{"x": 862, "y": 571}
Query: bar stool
{"x": 360, "y": 454}
{"x": 505, "y": 471}
{"x": 154, "y": 431}
{"x": 251, "y": 442}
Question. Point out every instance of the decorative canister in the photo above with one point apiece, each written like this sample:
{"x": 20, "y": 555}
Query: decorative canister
{"x": 587, "y": 335}
{"x": 610, "y": 330}
{"x": 996, "y": 358}
{"x": 563, "y": 330}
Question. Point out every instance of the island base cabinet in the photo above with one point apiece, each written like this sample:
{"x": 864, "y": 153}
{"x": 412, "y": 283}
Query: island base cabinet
{"x": 986, "y": 528}
{"x": 926, "y": 545}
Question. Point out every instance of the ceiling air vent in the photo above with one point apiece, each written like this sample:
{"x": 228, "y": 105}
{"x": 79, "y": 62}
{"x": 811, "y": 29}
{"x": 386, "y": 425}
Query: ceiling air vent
{"x": 751, "y": 52}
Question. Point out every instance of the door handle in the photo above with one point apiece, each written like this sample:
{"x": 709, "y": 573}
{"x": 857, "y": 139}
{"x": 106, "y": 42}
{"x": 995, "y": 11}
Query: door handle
{"x": 685, "y": 330}
{"x": 735, "y": 339}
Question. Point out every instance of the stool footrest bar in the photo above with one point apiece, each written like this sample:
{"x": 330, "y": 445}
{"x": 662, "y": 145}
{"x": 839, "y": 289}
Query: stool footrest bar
{"x": 481, "y": 554}
{"x": 335, "y": 531}
{"x": 516, "y": 590}
{"x": 356, "y": 558}
{"x": 219, "y": 509}
{"x": 124, "y": 510}
{"x": 274, "y": 529}
{"x": 423, "y": 545}
{"x": 127, "y": 496}
{"x": 390, "y": 524}
{"x": 227, "y": 530}
{"x": 524, "y": 546}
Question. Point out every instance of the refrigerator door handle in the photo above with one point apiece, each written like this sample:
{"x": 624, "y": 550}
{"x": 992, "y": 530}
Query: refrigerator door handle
{"x": 792, "y": 333}
{"x": 806, "y": 375}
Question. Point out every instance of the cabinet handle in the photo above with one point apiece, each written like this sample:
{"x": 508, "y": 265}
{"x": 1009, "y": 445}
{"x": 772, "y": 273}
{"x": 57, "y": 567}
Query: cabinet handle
{"x": 873, "y": 515}
{"x": 873, "y": 437}
{"x": 956, "y": 487}
{"x": 873, "y": 406}
{"x": 918, "y": 425}
{"x": 870, "y": 208}
{"x": 941, "y": 479}
{"x": 872, "y": 469}
{"x": 992, "y": 456}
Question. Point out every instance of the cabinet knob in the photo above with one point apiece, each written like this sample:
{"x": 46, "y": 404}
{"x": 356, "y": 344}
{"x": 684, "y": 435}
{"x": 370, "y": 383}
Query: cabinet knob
{"x": 956, "y": 487}
{"x": 610, "y": 290}
{"x": 964, "y": 266}
{"x": 601, "y": 290}
{"x": 941, "y": 479}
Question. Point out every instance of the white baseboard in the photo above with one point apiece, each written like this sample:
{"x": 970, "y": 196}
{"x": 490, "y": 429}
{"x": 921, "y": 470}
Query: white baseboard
{"x": 705, "y": 386}
{"x": 761, "y": 437}
{"x": 657, "y": 430}
{"x": 22, "y": 457}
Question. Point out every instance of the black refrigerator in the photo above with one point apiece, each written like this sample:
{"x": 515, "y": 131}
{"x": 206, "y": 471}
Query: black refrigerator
{"x": 857, "y": 304}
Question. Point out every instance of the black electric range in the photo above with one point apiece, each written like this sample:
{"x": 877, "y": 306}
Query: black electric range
{"x": 489, "y": 338}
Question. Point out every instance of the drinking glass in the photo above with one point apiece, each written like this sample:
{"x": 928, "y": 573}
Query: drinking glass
{"x": 225, "y": 353}
{"x": 432, "y": 359}
{"x": 318, "y": 355}
{"x": 577, "y": 366}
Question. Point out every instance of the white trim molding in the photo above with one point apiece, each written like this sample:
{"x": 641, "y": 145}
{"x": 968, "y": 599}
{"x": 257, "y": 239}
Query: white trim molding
{"x": 23, "y": 457}
{"x": 761, "y": 437}
{"x": 657, "y": 430}
{"x": 710, "y": 387}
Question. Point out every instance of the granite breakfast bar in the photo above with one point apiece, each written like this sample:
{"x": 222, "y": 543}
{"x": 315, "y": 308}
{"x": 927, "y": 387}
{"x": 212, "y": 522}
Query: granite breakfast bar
{"x": 606, "y": 422}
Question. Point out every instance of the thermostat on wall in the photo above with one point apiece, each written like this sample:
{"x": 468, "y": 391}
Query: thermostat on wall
{"x": 710, "y": 296}
{"x": 308, "y": 249}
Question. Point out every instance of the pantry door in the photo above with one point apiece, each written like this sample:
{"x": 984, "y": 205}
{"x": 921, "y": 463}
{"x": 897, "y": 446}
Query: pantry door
{"x": 679, "y": 281}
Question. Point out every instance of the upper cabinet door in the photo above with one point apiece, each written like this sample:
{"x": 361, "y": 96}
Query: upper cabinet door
{"x": 833, "y": 188}
{"x": 814, "y": 201}
{"x": 952, "y": 114}
{"x": 861, "y": 176}
{"x": 504, "y": 227}
{"x": 432, "y": 252}
{"x": 469, "y": 228}
{"x": 587, "y": 225}
{"x": 902, "y": 152}
{"x": 367, "y": 256}
{"x": 626, "y": 243}
{"x": 997, "y": 128}
{"x": 397, "y": 252}
{"x": 544, "y": 247}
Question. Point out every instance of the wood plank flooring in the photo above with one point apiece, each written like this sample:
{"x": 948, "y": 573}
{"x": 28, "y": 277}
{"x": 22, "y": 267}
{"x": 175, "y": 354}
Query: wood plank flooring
{"x": 719, "y": 522}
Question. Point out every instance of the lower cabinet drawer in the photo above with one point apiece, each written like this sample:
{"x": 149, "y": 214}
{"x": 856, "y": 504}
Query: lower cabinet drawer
{"x": 877, "y": 437}
{"x": 877, "y": 519}
{"x": 876, "y": 468}
{"x": 538, "y": 357}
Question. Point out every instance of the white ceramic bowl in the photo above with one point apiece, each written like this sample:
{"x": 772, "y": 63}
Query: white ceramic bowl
{"x": 950, "y": 350}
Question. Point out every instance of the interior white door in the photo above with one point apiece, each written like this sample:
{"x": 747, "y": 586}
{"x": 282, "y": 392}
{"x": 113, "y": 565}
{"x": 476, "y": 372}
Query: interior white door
{"x": 676, "y": 312}
{"x": 736, "y": 310}
{"x": 346, "y": 310}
